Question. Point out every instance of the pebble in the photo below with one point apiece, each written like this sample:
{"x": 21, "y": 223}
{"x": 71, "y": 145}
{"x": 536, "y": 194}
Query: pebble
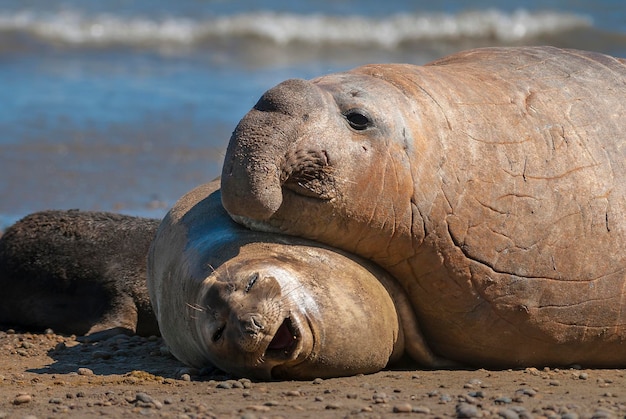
{"x": 224, "y": 384}
{"x": 318, "y": 381}
{"x": 526, "y": 392}
{"x": 293, "y": 393}
{"x": 602, "y": 414}
{"x": 445, "y": 398}
{"x": 84, "y": 371}
{"x": 503, "y": 400}
{"x": 22, "y": 398}
{"x": 508, "y": 414}
{"x": 464, "y": 410}
{"x": 403, "y": 408}
{"x": 379, "y": 398}
{"x": 421, "y": 409}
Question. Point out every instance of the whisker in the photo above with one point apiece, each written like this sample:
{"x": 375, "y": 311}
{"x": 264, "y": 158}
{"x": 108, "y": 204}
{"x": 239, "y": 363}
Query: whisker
{"x": 196, "y": 307}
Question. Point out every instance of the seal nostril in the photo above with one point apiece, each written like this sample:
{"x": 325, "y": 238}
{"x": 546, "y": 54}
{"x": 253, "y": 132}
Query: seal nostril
{"x": 257, "y": 323}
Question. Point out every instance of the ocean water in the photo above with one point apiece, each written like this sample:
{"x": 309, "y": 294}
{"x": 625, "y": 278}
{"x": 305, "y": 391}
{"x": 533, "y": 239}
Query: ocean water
{"x": 125, "y": 105}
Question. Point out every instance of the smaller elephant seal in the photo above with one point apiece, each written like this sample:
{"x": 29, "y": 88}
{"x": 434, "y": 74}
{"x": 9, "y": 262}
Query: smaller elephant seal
{"x": 77, "y": 272}
{"x": 269, "y": 306}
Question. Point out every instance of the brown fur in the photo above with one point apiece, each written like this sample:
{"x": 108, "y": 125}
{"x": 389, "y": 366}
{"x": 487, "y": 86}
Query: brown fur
{"x": 77, "y": 272}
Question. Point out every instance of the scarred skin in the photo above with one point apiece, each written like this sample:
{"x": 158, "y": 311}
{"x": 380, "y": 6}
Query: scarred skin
{"x": 490, "y": 183}
{"x": 269, "y": 306}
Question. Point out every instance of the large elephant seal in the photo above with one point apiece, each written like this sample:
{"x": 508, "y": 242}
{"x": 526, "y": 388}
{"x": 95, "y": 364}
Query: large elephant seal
{"x": 490, "y": 183}
{"x": 77, "y": 272}
{"x": 269, "y": 306}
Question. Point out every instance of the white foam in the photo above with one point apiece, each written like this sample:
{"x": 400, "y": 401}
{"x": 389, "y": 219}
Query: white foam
{"x": 283, "y": 28}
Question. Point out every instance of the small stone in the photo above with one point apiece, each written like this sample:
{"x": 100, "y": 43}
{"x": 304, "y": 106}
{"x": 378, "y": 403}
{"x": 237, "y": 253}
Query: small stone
{"x": 333, "y": 406}
{"x": 583, "y": 376}
{"x": 246, "y": 383}
{"x": 22, "y": 398}
{"x": 379, "y": 398}
{"x": 224, "y": 384}
{"x": 55, "y": 400}
{"x": 84, "y": 371}
{"x": 503, "y": 400}
{"x": 569, "y": 415}
{"x": 185, "y": 377}
{"x": 318, "y": 381}
{"x": 602, "y": 414}
{"x": 508, "y": 414}
{"x": 554, "y": 383}
{"x": 293, "y": 393}
{"x": 464, "y": 410}
{"x": 421, "y": 409}
{"x": 143, "y": 397}
{"x": 403, "y": 408}
{"x": 445, "y": 398}
{"x": 257, "y": 408}
{"x": 526, "y": 392}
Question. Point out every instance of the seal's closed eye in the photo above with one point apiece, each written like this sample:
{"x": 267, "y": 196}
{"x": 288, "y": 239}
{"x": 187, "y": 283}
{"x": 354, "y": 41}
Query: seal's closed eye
{"x": 218, "y": 333}
{"x": 252, "y": 281}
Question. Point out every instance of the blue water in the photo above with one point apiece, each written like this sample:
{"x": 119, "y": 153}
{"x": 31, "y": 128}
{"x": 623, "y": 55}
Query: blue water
{"x": 124, "y": 106}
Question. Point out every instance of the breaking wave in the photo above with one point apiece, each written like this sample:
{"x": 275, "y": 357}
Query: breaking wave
{"x": 74, "y": 28}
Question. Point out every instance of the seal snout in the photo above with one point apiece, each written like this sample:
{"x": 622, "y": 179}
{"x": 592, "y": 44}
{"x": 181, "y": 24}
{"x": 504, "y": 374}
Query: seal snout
{"x": 257, "y": 161}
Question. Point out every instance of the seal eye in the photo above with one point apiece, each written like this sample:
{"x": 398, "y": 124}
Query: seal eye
{"x": 252, "y": 281}
{"x": 218, "y": 333}
{"x": 358, "y": 119}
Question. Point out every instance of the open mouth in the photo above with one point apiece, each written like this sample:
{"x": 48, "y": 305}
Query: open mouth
{"x": 284, "y": 342}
